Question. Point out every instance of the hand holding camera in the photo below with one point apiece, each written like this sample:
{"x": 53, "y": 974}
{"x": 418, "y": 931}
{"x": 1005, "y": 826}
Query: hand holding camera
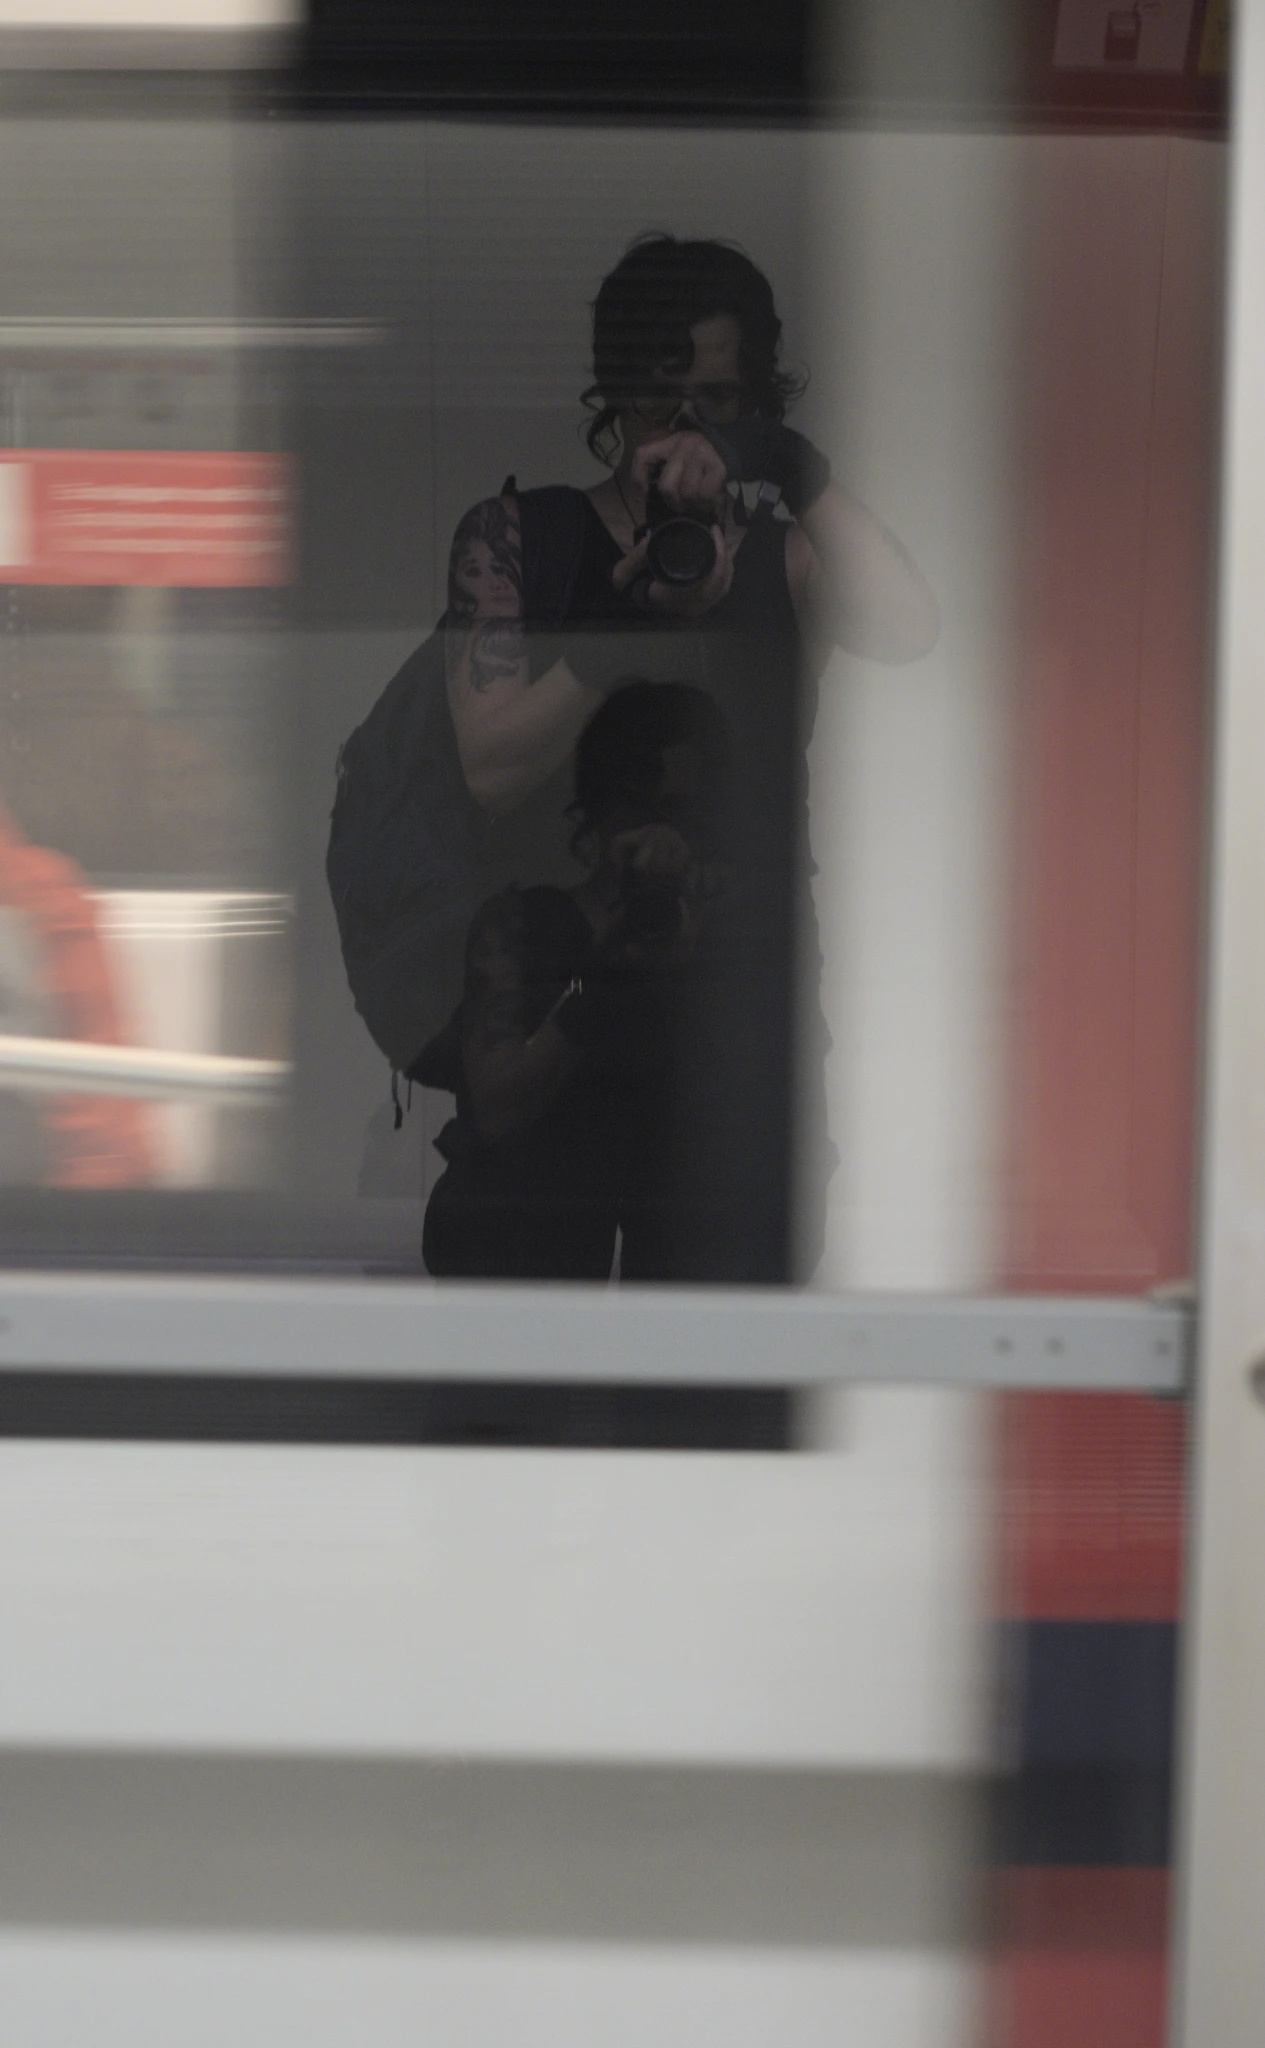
{"x": 654, "y": 921}
{"x": 685, "y": 467}
{"x": 684, "y": 566}
{"x": 684, "y": 476}
{"x": 651, "y": 928}
{"x": 695, "y": 463}
{"x": 684, "y": 480}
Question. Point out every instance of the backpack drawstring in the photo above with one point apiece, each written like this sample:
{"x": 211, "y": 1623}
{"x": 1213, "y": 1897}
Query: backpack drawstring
{"x": 405, "y": 1108}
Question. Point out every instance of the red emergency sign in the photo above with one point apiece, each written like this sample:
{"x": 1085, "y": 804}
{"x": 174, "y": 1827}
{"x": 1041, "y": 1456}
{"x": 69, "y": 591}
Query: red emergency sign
{"x": 74, "y": 516}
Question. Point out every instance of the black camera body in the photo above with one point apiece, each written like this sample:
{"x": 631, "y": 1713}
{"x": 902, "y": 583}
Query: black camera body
{"x": 682, "y": 547}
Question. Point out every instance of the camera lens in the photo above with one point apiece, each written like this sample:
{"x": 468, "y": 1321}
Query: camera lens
{"x": 681, "y": 551}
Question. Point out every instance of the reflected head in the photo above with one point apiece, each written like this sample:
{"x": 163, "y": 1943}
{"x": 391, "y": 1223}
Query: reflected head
{"x": 643, "y": 317}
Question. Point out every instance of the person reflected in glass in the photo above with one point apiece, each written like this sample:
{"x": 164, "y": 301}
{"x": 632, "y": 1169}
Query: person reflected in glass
{"x": 581, "y": 1056}
{"x": 689, "y": 398}
{"x": 717, "y": 549}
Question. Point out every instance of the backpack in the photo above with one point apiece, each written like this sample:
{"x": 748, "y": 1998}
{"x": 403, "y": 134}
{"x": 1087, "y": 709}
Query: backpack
{"x": 403, "y": 862}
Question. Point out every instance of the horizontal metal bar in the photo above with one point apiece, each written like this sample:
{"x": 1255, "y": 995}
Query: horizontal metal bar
{"x": 106, "y": 45}
{"x": 181, "y": 336}
{"x": 417, "y": 1329}
{"x": 73, "y": 1066}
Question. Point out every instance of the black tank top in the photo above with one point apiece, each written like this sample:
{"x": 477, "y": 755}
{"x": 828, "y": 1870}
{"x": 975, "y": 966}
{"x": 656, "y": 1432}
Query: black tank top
{"x": 747, "y": 654}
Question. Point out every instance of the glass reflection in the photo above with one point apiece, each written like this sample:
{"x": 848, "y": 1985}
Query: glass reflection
{"x": 718, "y": 557}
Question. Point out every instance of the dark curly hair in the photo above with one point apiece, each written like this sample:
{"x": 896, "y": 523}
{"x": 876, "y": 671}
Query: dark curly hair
{"x": 620, "y": 752}
{"x": 642, "y": 316}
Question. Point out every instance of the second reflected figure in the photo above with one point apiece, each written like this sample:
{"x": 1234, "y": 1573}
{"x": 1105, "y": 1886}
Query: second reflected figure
{"x": 591, "y": 1085}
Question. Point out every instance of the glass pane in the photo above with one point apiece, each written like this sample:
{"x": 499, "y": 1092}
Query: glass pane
{"x": 656, "y": 1105}
{"x": 900, "y": 1016}
{"x": 741, "y": 583}
{"x": 148, "y": 545}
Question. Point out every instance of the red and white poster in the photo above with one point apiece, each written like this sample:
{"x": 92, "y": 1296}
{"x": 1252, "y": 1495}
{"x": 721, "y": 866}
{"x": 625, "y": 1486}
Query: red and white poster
{"x": 177, "y": 520}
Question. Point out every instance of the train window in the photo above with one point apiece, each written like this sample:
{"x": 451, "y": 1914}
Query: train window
{"x": 603, "y": 655}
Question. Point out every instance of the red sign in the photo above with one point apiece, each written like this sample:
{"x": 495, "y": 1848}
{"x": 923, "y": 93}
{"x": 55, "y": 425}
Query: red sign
{"x": 71, "y": 516}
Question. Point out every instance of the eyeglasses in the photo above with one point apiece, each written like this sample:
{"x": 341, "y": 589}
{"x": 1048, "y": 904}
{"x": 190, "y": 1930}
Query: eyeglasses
{"x": 716, "y": 404}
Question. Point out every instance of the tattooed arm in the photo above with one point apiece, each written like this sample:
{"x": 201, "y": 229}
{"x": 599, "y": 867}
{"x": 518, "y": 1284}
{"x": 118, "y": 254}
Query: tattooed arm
{"x": 511, "y": 733}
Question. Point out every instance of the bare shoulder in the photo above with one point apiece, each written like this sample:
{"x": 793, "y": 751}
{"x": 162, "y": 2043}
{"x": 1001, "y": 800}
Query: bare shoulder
{"x": 803, "y": 580}
{"x": 802, "y": 570}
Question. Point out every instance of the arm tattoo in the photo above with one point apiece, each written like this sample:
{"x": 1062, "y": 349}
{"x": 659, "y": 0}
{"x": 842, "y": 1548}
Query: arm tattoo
{"x": 495, "y": 649}
{"x": 485, "y": 596}
{"x": 491, "y": 524}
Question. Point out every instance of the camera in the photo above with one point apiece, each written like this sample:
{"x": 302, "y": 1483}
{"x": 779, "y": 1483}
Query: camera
{"x": 682, "y": 547}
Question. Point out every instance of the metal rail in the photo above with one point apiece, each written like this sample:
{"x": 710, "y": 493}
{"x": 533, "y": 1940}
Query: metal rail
{"x": 66, "y": 1066}
{"x": 95, "y": 336}
{"x": 414, "y": 1329}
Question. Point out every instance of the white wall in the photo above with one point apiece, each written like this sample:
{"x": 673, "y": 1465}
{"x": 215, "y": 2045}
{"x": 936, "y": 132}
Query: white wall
{"x": 912, "y": 394}
{"x": 203, "y": 1993}
{"x": 1219, "y": 1977}
{"x": 821, "y": 1609}
{"x": 174, "y": 15}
